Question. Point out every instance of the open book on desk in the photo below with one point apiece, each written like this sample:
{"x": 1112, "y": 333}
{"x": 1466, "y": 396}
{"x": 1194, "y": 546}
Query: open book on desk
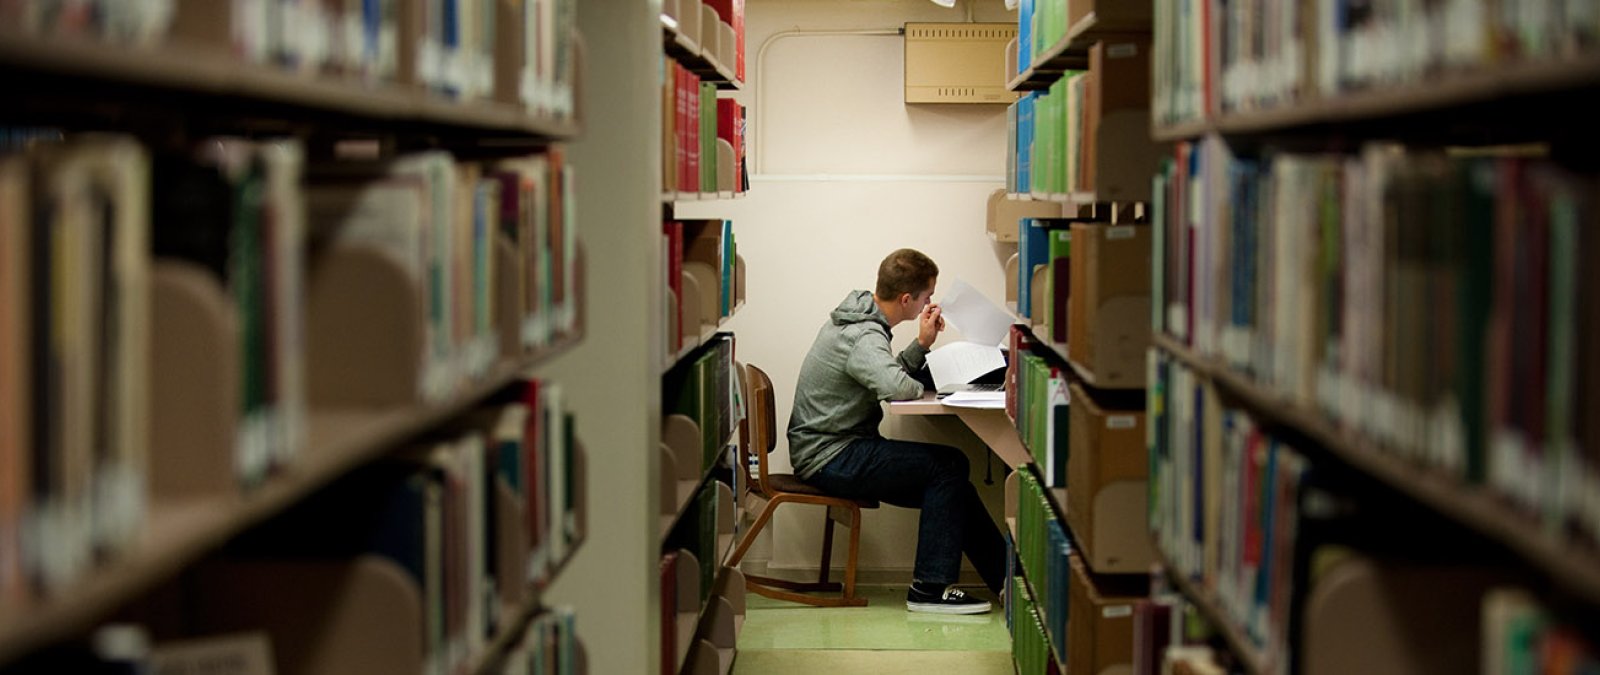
{"x": 983, "y": 326}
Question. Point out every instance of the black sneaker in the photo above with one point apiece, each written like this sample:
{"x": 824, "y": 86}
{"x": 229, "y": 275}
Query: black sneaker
{"x": 950, "y": 600}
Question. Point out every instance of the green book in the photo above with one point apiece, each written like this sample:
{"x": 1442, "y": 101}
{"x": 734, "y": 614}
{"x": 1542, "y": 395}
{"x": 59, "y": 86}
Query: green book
{"x": 708, "y": 137}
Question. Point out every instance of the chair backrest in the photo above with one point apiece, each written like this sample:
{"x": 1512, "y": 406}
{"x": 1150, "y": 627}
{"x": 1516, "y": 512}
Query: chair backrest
{"x": 763, "y": 423}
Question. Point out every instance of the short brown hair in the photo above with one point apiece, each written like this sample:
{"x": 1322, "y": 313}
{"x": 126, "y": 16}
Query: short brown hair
{"x": 905, "y": 271}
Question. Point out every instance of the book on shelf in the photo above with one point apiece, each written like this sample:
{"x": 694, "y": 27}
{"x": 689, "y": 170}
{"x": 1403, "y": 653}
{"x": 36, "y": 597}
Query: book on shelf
{"x": 75, "y": 295}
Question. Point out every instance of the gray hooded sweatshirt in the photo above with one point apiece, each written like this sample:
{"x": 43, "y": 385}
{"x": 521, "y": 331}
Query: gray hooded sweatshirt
{"x": 848, "y": 371}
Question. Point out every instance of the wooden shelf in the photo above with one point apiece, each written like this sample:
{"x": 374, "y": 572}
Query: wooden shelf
{"x": 180, "y": 533}
{"x": 1247, "y": 656}
{"x": 1571, "y": 568}
{"x": 1438, "y": 99}
{"x": 671, "y": 198}
{"x": 1071, "y": 52}
{"x": 172, "y": 79}
{"x": 690, "y": 54}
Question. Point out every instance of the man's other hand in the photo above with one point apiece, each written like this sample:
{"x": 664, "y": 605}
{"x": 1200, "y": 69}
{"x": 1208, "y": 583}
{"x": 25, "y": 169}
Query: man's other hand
{"x": 929, "y": 325}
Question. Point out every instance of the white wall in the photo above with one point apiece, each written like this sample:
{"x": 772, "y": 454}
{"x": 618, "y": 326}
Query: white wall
{"x": 845, "y": 173}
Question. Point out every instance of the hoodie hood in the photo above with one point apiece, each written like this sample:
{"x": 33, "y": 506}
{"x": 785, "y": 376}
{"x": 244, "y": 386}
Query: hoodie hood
{"x": 859, "y": 307}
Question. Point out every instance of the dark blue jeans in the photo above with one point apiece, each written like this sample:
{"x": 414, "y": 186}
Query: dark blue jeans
{"x": 932, "y": 478}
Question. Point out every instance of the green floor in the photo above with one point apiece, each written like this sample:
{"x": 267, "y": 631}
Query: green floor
{"x": 882, "y": 638}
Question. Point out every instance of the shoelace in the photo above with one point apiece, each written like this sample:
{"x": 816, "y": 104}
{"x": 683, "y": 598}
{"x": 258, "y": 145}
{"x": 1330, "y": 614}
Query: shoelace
{"x": 954, "y": 593}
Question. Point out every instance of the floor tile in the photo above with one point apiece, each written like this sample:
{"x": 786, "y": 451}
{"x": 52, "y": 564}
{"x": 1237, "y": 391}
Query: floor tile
{"x": 884, "y": 624}
{"x": 869, "y": 662}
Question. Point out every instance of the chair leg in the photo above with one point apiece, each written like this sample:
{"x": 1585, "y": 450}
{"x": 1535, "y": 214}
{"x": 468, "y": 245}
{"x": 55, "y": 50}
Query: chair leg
{"x": 749, "y": 537}
{"x": 827, "y": 548}
{"x": 850, "y": 561}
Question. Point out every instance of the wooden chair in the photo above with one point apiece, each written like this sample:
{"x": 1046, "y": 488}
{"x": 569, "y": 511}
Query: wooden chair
{"x": 772, "y": 489}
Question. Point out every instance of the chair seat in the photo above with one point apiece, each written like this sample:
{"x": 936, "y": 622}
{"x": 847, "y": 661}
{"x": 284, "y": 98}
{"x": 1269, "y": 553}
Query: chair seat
{"x": 788, "y": 482}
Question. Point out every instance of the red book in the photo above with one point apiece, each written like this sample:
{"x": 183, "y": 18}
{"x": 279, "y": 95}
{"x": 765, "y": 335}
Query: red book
{"x": 688, "y": 181}
{"x": 728, "y": 124}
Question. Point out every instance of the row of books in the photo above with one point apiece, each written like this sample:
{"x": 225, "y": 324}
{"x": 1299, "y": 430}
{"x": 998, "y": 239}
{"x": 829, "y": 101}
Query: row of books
{"x": 704, "y": 255}
{"x": 1520, "y": 635}
{"x": 448, "y": 223}
{"x": 1224, "y": 504}
{"x": 719, "y": 34}
{"x": 1089, "y": 132}
{"x": 132, "y": 22}
{"x": 107, "y": 243}
{"x": 476, "y": 521}
{"x": 1037, "y": 399}
{"x": 705, "y": 388}
{"x": 703, "y": 136}
{"x": 548, "y": 647}
{"x": 1094, "y": 629}
{"x": 1487, "y": 384}
{"x": 1094, "y": 310}
{"x": 1049, "y": 130}
{"x": 520, "y": 52}
{"x": 1218, "y": 57}
{"x": 697, "y": 591}
{"x": 1044, "y": 547}
{"x": 1030, "y": 642}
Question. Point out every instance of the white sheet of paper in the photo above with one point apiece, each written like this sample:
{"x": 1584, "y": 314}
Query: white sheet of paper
{"x": 976, "y": 399}
{"x": 972, "y": 313}
{"x": 962, "y": 362}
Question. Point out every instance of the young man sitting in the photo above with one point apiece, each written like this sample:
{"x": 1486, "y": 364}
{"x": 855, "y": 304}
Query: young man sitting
{"x": 834, "y": 442}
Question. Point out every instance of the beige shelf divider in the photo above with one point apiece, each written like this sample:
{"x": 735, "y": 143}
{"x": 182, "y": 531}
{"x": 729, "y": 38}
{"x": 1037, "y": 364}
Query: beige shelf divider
{"x": 194, "y": 384}
{"x": 717, "y": 631}
{"x": 691, "y": 308}
{"x": 725, "y": 165}
{"x": 1367, "y": 616}
{"x": 511, "y": 536}
{"x": 731, "y": 587}
{"x": 688, "y": 601}
{"x": 325, "y": 617}
{"x": 738, "y": 280}
{"x": 1012, "y": 263}
{"x": 364, "y": 329}
{"x": 726, "y": 517}
{"x": 669, "y": 482}
{"x": 706, "y": 281}
{"x": 705, "y": 660}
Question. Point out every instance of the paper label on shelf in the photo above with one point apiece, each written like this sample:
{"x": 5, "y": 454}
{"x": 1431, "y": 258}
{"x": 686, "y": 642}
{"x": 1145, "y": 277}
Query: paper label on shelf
{"x": 454, "y": 70}
{"x": 1122, "y": 50}
{"x": 388, "y": 50}
{"x": 1120, "y": 232}
{"x": 1117, "y": 611}
{"x": 1121, "y": 422}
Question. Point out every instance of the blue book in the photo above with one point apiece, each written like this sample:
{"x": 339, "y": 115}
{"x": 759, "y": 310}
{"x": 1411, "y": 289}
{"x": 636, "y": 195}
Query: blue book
{"x": 1060, "y": 571}
{"x": 1025, "y": 111}
{"x": 1024, "y": 35}
{"x": 1033, "y": 249}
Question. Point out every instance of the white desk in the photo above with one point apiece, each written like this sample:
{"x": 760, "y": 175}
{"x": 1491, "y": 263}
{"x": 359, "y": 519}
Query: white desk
{"x": 991, "y": 425}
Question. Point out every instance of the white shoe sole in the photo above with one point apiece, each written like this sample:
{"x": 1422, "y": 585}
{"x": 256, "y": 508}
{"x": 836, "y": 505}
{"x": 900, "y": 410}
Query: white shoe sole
{"x": 942, "y": 608}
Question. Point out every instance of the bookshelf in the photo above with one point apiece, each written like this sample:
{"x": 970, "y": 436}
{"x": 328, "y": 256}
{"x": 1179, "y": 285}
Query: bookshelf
{"x": 703, "y": 152}
{"x": 150, "y": 103}
{"x": 1420, "y": 127}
